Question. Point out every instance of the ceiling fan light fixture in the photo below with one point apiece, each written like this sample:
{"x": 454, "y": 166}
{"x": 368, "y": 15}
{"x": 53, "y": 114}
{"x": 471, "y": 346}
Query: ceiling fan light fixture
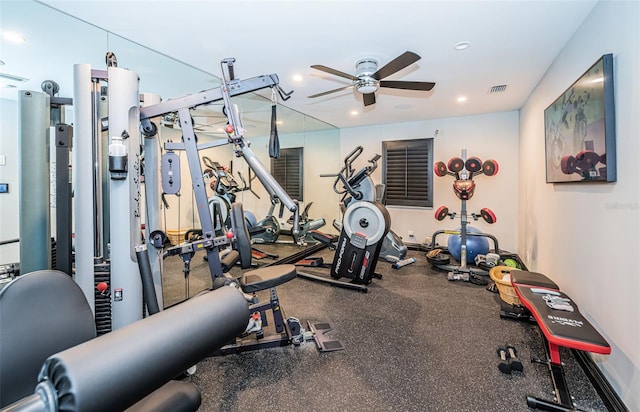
{"x": 366, "y": 85}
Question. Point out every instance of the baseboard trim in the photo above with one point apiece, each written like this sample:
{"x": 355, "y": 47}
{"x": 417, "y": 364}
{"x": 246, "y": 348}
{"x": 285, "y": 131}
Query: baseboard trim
{"x": 609, "y": 397}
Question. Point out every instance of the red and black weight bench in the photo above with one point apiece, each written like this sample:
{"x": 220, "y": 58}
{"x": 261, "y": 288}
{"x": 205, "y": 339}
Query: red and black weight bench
{"x": 562, "y": 325}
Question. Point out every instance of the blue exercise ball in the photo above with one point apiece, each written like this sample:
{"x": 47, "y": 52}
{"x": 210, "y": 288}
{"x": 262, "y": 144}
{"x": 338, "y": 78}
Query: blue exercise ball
{"x": 476, "y": 245}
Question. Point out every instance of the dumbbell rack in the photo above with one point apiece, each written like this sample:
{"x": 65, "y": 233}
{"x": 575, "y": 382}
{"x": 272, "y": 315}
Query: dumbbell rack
{"x": 463, "y": 169}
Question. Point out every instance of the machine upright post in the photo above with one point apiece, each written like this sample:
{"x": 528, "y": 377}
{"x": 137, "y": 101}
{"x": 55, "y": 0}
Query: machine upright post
{"x": 125, "y": 231}
{"x": 199, "y": 190}
{"x": 64, "y": 242}
{"x": 152, "y": 188}
{"x": 35, "y": 213}
{"x": 463, "y": 220}
{"x": 82, "y": 173}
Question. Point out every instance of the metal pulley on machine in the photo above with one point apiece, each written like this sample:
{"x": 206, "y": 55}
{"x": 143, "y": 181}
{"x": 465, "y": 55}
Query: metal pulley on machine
{"x": 368, "y": 218}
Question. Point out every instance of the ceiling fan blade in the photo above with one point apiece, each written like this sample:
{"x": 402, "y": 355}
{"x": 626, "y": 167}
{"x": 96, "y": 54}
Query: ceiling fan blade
{"x": 369, "y": 99}
{"x": 426, "y": 86}
{"x": 395, "y": 65}
{"x": 329, "y": 91}
{"x": 333, "y": 71}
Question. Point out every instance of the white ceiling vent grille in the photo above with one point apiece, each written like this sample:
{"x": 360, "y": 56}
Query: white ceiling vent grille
{"x": 11, "y": 77}
{"x": 498, "y": 88}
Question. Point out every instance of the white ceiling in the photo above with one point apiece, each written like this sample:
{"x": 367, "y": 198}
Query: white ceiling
{"x": 512, "y": 43}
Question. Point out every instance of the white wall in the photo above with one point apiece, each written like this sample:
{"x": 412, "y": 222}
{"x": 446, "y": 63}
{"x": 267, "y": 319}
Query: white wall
{"x": 488, "y": 136}
{"x": 585, "y": 236}
{"x": 9, "y": 202}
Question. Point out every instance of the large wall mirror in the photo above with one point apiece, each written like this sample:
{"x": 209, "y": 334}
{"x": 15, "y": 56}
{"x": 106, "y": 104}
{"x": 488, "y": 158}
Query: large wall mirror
{"x": 53, "y": 42}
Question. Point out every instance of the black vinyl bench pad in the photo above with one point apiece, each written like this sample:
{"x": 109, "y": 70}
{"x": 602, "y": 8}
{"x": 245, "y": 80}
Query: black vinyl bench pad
{"x": 532, "y": 279}
{"x": 562, "y": 328}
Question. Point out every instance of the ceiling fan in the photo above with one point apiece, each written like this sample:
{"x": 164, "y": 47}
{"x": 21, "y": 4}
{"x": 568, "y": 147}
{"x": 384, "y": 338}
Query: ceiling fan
{"x": 368, "y": 77}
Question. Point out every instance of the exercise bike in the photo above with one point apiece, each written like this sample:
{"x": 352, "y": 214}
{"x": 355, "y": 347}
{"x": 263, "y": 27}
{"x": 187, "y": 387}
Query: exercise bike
{"x": 359, "y": 186}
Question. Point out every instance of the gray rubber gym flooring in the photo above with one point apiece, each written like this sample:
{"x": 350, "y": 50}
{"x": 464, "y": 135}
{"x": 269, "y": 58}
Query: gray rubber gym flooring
{"x": 414, "y": 342}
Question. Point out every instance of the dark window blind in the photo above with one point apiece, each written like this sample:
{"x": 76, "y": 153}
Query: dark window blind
{"x": 407, "y": 172}
{"x": 288, "y": 171}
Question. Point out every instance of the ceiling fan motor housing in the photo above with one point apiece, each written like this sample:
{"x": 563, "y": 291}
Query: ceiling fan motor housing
{"x": 364, "y": 69}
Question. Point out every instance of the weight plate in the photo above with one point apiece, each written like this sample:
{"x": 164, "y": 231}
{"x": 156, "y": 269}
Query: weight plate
{"x": 439, "y": 259}
{"x": 369, "y": 218}
{"x": 473, "y": 164}
{"x": 242, "y": 237}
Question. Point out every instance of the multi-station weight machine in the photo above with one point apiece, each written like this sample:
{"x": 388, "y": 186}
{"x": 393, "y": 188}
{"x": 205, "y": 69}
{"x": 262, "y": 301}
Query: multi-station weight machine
{"x": 128, "y": 124}
{"x": 118, "y": 262}
{"x": 108, "y": 202}
{"x": 463, "y": 169}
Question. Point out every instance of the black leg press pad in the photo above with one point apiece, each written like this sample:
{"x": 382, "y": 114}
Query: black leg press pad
{"x": 560, "y": 327}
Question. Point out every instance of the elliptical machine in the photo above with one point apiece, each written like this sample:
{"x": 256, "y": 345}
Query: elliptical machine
{"x": 359, "y": 186}
{"x": 225, "y": 187}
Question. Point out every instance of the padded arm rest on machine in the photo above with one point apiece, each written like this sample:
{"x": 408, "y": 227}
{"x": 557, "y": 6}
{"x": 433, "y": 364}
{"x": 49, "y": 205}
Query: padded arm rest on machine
{"x": 560, "y": 327}
{"x": 118, "y": 369}
{"x": 229, "y": 260}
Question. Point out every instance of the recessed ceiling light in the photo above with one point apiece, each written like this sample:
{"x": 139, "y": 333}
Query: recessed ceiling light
{"x": 13, "y": 37}
{"x": 354, "y": 112}
{"x": 462, "y": 99}
{"x": 462, "y": 45}
{"x": 297, "y": 78}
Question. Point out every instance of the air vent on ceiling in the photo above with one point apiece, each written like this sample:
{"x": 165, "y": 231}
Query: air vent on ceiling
{"x": 498, "y": 88}
{"x": 12, "y": 78}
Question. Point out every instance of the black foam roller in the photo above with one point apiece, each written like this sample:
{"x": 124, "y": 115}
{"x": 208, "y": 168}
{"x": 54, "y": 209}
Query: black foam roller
{"x": 116, "y": 370}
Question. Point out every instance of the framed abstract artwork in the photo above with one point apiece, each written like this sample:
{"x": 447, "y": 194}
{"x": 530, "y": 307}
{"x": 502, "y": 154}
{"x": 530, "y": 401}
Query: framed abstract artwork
{"x": 580, "y": 141}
